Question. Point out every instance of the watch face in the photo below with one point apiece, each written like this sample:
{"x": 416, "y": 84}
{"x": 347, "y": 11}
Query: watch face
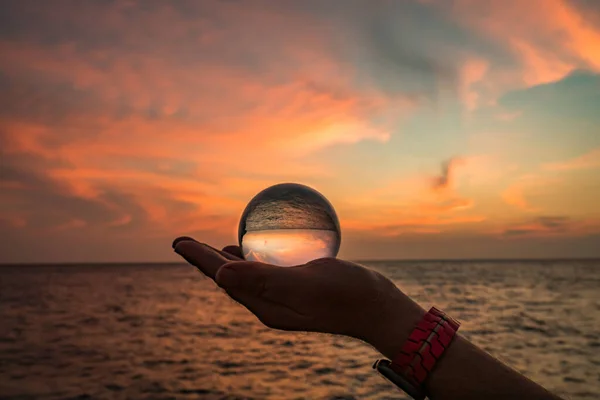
{"x": 384, "y": 368}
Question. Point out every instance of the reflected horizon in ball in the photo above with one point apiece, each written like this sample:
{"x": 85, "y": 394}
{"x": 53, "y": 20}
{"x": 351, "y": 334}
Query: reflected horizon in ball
{"x": 289, "y": 224}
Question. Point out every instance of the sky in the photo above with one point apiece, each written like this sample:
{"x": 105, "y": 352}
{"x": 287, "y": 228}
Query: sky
{"x": 437, "y": 129}
{"x": 289, "y": 247}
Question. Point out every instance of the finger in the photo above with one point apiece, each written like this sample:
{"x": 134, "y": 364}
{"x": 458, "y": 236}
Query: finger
{"x": 229, "y": 255}
{"x": 234, "y": 250}
{"x": 203, "y": 257}
{"x": 181, "y": 239}
{"x": 286, "y": 286}
{"x": 226, "y": 254}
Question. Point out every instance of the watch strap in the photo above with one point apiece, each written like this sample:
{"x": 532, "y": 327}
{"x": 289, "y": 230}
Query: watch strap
{"x": 424, "y": 347}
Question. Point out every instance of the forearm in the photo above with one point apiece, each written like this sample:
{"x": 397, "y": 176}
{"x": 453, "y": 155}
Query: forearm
{"x": 467, "y": 372}
{"x": 464, "y": 371}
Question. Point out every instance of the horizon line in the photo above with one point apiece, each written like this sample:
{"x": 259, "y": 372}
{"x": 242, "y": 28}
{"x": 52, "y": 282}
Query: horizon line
{"x": 132, "y": 263}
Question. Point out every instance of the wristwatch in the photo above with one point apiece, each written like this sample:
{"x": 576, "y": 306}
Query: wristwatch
{"x": 424, "y": 347}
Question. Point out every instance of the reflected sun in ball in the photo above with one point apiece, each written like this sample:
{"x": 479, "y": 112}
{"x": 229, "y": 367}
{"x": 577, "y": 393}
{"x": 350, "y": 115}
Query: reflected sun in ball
{"x": 287, "y": 247}
{"x": 289, "y": 224}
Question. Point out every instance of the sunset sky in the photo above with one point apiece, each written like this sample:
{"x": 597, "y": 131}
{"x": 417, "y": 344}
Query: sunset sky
{"x": 289, "y": 247}
{"x": 437, "y": 129}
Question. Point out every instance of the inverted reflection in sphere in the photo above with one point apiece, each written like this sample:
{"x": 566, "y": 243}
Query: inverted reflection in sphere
{"x": 289, "y": 224}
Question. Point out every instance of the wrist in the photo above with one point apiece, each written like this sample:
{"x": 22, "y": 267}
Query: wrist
{"x": 395, "y": 323}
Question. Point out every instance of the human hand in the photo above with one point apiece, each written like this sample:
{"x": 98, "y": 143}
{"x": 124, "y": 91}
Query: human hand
{"x": 326, "y": 295}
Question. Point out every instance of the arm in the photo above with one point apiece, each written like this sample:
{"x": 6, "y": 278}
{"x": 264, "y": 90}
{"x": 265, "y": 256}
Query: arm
{"x": 464, "y": 371}
{"x": 339, "y": 297}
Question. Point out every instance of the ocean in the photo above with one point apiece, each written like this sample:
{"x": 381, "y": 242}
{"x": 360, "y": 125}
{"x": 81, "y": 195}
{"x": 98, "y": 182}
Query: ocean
{"x": 167, "y": 332}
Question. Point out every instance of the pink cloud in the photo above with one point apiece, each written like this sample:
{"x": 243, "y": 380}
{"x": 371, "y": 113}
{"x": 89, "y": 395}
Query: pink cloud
{"x": 589, "y": 160}
{"x": 555, "y": 39}
{"x": 472, "y": 71}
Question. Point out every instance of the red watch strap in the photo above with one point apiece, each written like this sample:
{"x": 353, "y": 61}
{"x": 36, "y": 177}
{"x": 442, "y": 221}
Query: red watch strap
{"x": 425, "y": 346}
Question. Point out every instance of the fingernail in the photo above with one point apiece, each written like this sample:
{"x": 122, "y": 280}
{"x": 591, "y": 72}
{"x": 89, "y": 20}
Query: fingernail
{"x": 179, "y": 251}
{"x": 227, "y": 277}
{"x": 181, "y": 239}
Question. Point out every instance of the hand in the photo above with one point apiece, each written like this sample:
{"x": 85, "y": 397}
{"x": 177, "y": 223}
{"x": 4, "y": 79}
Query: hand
{"x": 334, "y": 296}
{"x": 325, "y": 295}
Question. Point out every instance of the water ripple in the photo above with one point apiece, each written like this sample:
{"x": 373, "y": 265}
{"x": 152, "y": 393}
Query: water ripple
{"x": 120, "y": 332}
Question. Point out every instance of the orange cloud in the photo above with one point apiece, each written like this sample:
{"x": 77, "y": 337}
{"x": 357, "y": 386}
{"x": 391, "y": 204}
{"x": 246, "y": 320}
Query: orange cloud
{"x": 149, "y": 132}
{"x": 540, "y": 65}
{"x": 188, "y": 139}
{"x": 422, "y": 204}
{"x": 444, "y": 206}
{"x": 528, "y": 185}
{"x": 514, "y": 196}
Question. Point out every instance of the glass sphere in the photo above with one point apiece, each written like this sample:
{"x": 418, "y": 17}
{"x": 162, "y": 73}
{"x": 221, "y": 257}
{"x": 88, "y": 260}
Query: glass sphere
{"x": 289, "y": 224}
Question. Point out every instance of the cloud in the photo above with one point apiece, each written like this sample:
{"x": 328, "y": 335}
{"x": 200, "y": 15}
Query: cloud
{"x": 542, "y": 225}
{"x": 444, "y": 188}
{"x": 402, "y": 223}
{"x": 41, "y": 203}
{"x": 113, "y": 126}
{"x": 514, "y": 196}
{"x": 169, "y": 131}
{"x": 518, "y": 192}
{"x": 468, "y": 245}
{"x": 448, "y": 205}
{"x": 445, "y": 181}
{"x": 472, "y": 72}
{"x": 421, "y": 204}
{"x": 556, "y": 38}
{"x": 512, "y": 53}
{"x": 426, "y": 225}
{"x": 590, "y": 160}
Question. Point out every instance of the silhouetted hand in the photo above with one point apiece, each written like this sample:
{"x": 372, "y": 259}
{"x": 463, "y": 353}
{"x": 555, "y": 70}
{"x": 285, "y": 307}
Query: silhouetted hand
{"x": 325, "y": 295}
{"x": 334, "y": 296}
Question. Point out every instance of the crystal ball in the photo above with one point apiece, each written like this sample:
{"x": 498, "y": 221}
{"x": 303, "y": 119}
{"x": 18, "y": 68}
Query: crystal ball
{"x": 289, "y": 224}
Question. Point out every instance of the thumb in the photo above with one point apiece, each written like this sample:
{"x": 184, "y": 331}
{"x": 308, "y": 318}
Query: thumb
{"x": 266, "y": 290}
{"x": 245, "y": 276}
{"x": 279, "y": 284}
